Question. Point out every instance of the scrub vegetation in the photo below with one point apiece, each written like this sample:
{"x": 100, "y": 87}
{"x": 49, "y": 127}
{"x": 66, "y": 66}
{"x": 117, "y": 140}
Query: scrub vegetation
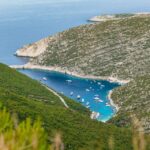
{"x": 72, "y": 127}
{"x": 114, "y": 48}
{"x": 118, "y": 48}
{"x": 133, "y": 99}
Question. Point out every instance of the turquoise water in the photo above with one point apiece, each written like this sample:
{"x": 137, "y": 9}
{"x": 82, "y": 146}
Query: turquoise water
{"x": 26, "y": 21}
{"x": 86, "y": 88}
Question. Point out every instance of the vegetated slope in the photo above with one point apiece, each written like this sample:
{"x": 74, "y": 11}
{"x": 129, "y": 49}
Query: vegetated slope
{"x": 23, "y": 86}
{"x": 27, "y": 98}
{"x": 103, "y": 18}
{"x": 25, "y": 135}
{"x": 110, "y": 48}
{"x": 118, "y": 48}
{"x": 133, "y": 99}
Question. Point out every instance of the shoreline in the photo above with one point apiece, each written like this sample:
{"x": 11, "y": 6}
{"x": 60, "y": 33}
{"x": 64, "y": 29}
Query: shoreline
{"x": 58, "y": 69}
{"x": 103, "y": 18}
{"x": 112, "y": 102}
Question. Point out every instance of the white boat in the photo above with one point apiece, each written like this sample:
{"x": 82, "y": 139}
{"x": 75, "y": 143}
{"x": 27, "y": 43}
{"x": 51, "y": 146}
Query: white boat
{"x": 96, "y": 95}
{"x": 87, "y": 90}
{"x": 100, "y": 100}
{"x": 69, "y": 81}
{"x": 78, "y": 96}
{"x": 82, "y": 100}
{"x": 107, "y": 104}
{"x": 44, "y": 78}
{"x": 99, "y": 83}
{"x": 102, "y": 85}
{"x": 71, "y": 93}
{"x": 96, "y": 98}
{"x": 87, "y": 103}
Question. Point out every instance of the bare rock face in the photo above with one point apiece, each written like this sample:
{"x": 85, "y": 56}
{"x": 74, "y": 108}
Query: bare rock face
{"x": 33, "y": 50}
{"x": 110, "y": 48}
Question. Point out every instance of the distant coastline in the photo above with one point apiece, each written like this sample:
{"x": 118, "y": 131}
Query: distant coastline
{"x": 103, "y": 18}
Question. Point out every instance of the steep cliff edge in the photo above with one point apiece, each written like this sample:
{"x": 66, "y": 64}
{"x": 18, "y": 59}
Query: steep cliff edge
{"x": 35, "y": 49}
{"x": 111, "y": 48}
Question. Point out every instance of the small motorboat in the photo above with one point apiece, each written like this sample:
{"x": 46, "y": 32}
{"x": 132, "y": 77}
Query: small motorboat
{"x": 107, "y": 104}
{"x": 82, "y": 100}
{"x": 71, "y": 93}
{"x": 96, "y": 95}
{"x": 99, "y": 83}
{"x": 78, "y": 96}
{"x": 87, "y": 103}
{"x": 69, "y": 81}
{"x": 100, "y": 100}
{"x": 102, "y": 85}
{"x": 87, "y": 90}
{"x": 96, "y": 98}
{"x": 44, "y": 78}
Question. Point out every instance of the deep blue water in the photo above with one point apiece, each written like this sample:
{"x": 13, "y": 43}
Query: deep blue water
{"x": 86, "y": 88}
{"x": 26, "y": 21}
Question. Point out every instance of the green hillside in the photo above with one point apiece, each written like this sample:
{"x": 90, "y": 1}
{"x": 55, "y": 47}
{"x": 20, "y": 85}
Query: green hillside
{"x": 25, "y": 135}
{"x": 26, "y": 98}
{"x": 133, "y": 99}
{"x": 110, "y": 48}
{"x": 114, "y": 48}
{"x": 33, "y": 90}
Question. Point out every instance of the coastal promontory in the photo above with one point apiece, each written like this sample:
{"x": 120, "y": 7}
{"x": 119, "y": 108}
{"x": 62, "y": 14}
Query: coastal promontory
{"x": 115, "y": 48}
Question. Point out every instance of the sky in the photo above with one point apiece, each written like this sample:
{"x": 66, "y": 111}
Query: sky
{"x": 28, "y": 2}
{"x": 105, "y": 4}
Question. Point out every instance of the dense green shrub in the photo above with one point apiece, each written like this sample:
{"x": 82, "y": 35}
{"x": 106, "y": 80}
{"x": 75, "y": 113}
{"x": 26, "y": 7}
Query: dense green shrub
{"x": 74, "y": 125}
{"x": 23, "y": 136}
